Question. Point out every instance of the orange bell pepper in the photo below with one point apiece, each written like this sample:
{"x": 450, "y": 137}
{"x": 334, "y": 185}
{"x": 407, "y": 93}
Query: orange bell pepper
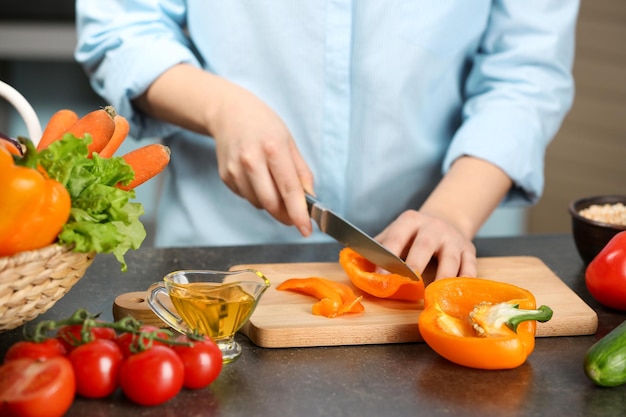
{"x": 34, "y": 207}
{"x": 363, "y": 275}
{"x": 335, "y": 298}
{"x": 480, "y": 323}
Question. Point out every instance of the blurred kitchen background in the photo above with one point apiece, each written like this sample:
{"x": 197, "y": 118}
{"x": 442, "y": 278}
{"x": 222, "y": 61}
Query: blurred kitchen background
{"x": 587, "y": 157}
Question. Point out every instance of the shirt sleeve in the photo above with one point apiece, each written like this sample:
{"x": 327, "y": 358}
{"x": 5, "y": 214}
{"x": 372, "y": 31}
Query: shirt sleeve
{"x": 518, "y": 91}
{"x": 125, "y": 48}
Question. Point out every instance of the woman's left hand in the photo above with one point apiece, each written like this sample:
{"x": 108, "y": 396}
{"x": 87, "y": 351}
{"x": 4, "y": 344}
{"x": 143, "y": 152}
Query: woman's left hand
{"x": 418, "y": 237}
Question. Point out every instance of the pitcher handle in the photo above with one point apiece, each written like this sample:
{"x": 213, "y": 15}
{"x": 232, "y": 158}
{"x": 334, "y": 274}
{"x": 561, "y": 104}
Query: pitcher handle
{"x": 161, "y": 310}
{"x": 24, "y": 109}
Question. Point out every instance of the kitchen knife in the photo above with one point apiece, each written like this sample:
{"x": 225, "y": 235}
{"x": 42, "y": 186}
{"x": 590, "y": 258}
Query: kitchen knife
{"x": 346, "y": 233}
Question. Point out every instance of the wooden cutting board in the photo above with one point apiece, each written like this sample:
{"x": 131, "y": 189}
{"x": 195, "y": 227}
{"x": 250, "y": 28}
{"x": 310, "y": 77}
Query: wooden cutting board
{"x": 284, "y": 318}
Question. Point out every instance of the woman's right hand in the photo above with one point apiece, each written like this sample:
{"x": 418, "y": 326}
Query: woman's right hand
{"x": 258, "y": 158}
{"x": 256, "y": 154}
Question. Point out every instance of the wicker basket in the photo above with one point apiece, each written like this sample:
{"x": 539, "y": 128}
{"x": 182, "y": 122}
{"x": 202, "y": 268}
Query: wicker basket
{"x": 32, "y": 281}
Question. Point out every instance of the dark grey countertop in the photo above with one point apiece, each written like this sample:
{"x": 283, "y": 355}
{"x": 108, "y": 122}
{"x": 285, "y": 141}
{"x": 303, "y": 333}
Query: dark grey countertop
{"x": 375, "y": 380}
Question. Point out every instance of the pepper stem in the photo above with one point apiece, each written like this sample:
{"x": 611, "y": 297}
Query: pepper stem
{"x": 29, "y": 158}
{"x": 488, "y": 319}
{"x": 541, "y": 314}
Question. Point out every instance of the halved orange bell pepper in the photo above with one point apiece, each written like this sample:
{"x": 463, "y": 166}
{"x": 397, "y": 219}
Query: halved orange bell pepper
{"x": 34, "y": 207}
{"x": 335, "y": 298}
{"x": 480, "y": 323}
{"x": 363, "y": 275}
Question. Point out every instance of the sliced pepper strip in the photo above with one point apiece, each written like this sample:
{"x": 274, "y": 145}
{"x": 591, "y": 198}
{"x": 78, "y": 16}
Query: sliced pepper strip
{"x": 350, "y": 302}
{"x": 447, "y": 327}
{"x": 363, "y": 275}
{"x": 335, "y": 298}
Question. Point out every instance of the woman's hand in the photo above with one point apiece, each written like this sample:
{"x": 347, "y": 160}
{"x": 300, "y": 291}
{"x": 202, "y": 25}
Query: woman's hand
{"x": 259, "y": 160}
{"x": 418, "y": 237}
{"x": 256, "y": 154}
{"x": 445, "y": 225}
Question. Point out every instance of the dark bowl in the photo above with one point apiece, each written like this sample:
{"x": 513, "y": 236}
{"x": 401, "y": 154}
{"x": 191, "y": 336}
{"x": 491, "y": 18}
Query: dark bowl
{"x": 592, "y": 236}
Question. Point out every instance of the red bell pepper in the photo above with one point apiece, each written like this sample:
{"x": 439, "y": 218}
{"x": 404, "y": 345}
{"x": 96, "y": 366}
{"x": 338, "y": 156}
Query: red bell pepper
{"x": 605, "y": 276}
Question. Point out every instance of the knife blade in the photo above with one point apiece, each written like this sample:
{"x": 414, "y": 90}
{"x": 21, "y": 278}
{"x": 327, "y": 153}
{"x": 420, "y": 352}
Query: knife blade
{"x": 351, "y": 236}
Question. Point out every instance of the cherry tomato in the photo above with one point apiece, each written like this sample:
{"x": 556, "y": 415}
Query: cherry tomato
{"x": 202, "y": 361}
{"x": 35, "y": 388}
{"x": 131, "y": 343}
{"x": 153, "y": 376}
{"x": 71, "y": 336}
{"x": 35, "y": 350}
{"x": 96, "y": 367}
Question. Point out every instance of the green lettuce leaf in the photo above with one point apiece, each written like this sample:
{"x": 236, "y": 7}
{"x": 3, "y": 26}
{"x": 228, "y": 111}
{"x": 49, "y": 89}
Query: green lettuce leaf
{"x": 103, "y": 217}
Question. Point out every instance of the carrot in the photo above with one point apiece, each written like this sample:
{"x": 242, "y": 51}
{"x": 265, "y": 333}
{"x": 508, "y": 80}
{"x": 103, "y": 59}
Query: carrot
{"x": 99, "y": 124}
{"x": 147, "y": 162}
{"x": 122, "y": 128}
{"x": 56, "y": 127}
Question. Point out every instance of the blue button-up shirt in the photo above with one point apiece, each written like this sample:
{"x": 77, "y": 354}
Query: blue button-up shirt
{"x": 380, "y": 96}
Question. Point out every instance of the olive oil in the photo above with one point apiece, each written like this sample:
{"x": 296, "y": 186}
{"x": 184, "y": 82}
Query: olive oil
{"x": 214, "y": 310}
{"x": 209, "y": 302}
